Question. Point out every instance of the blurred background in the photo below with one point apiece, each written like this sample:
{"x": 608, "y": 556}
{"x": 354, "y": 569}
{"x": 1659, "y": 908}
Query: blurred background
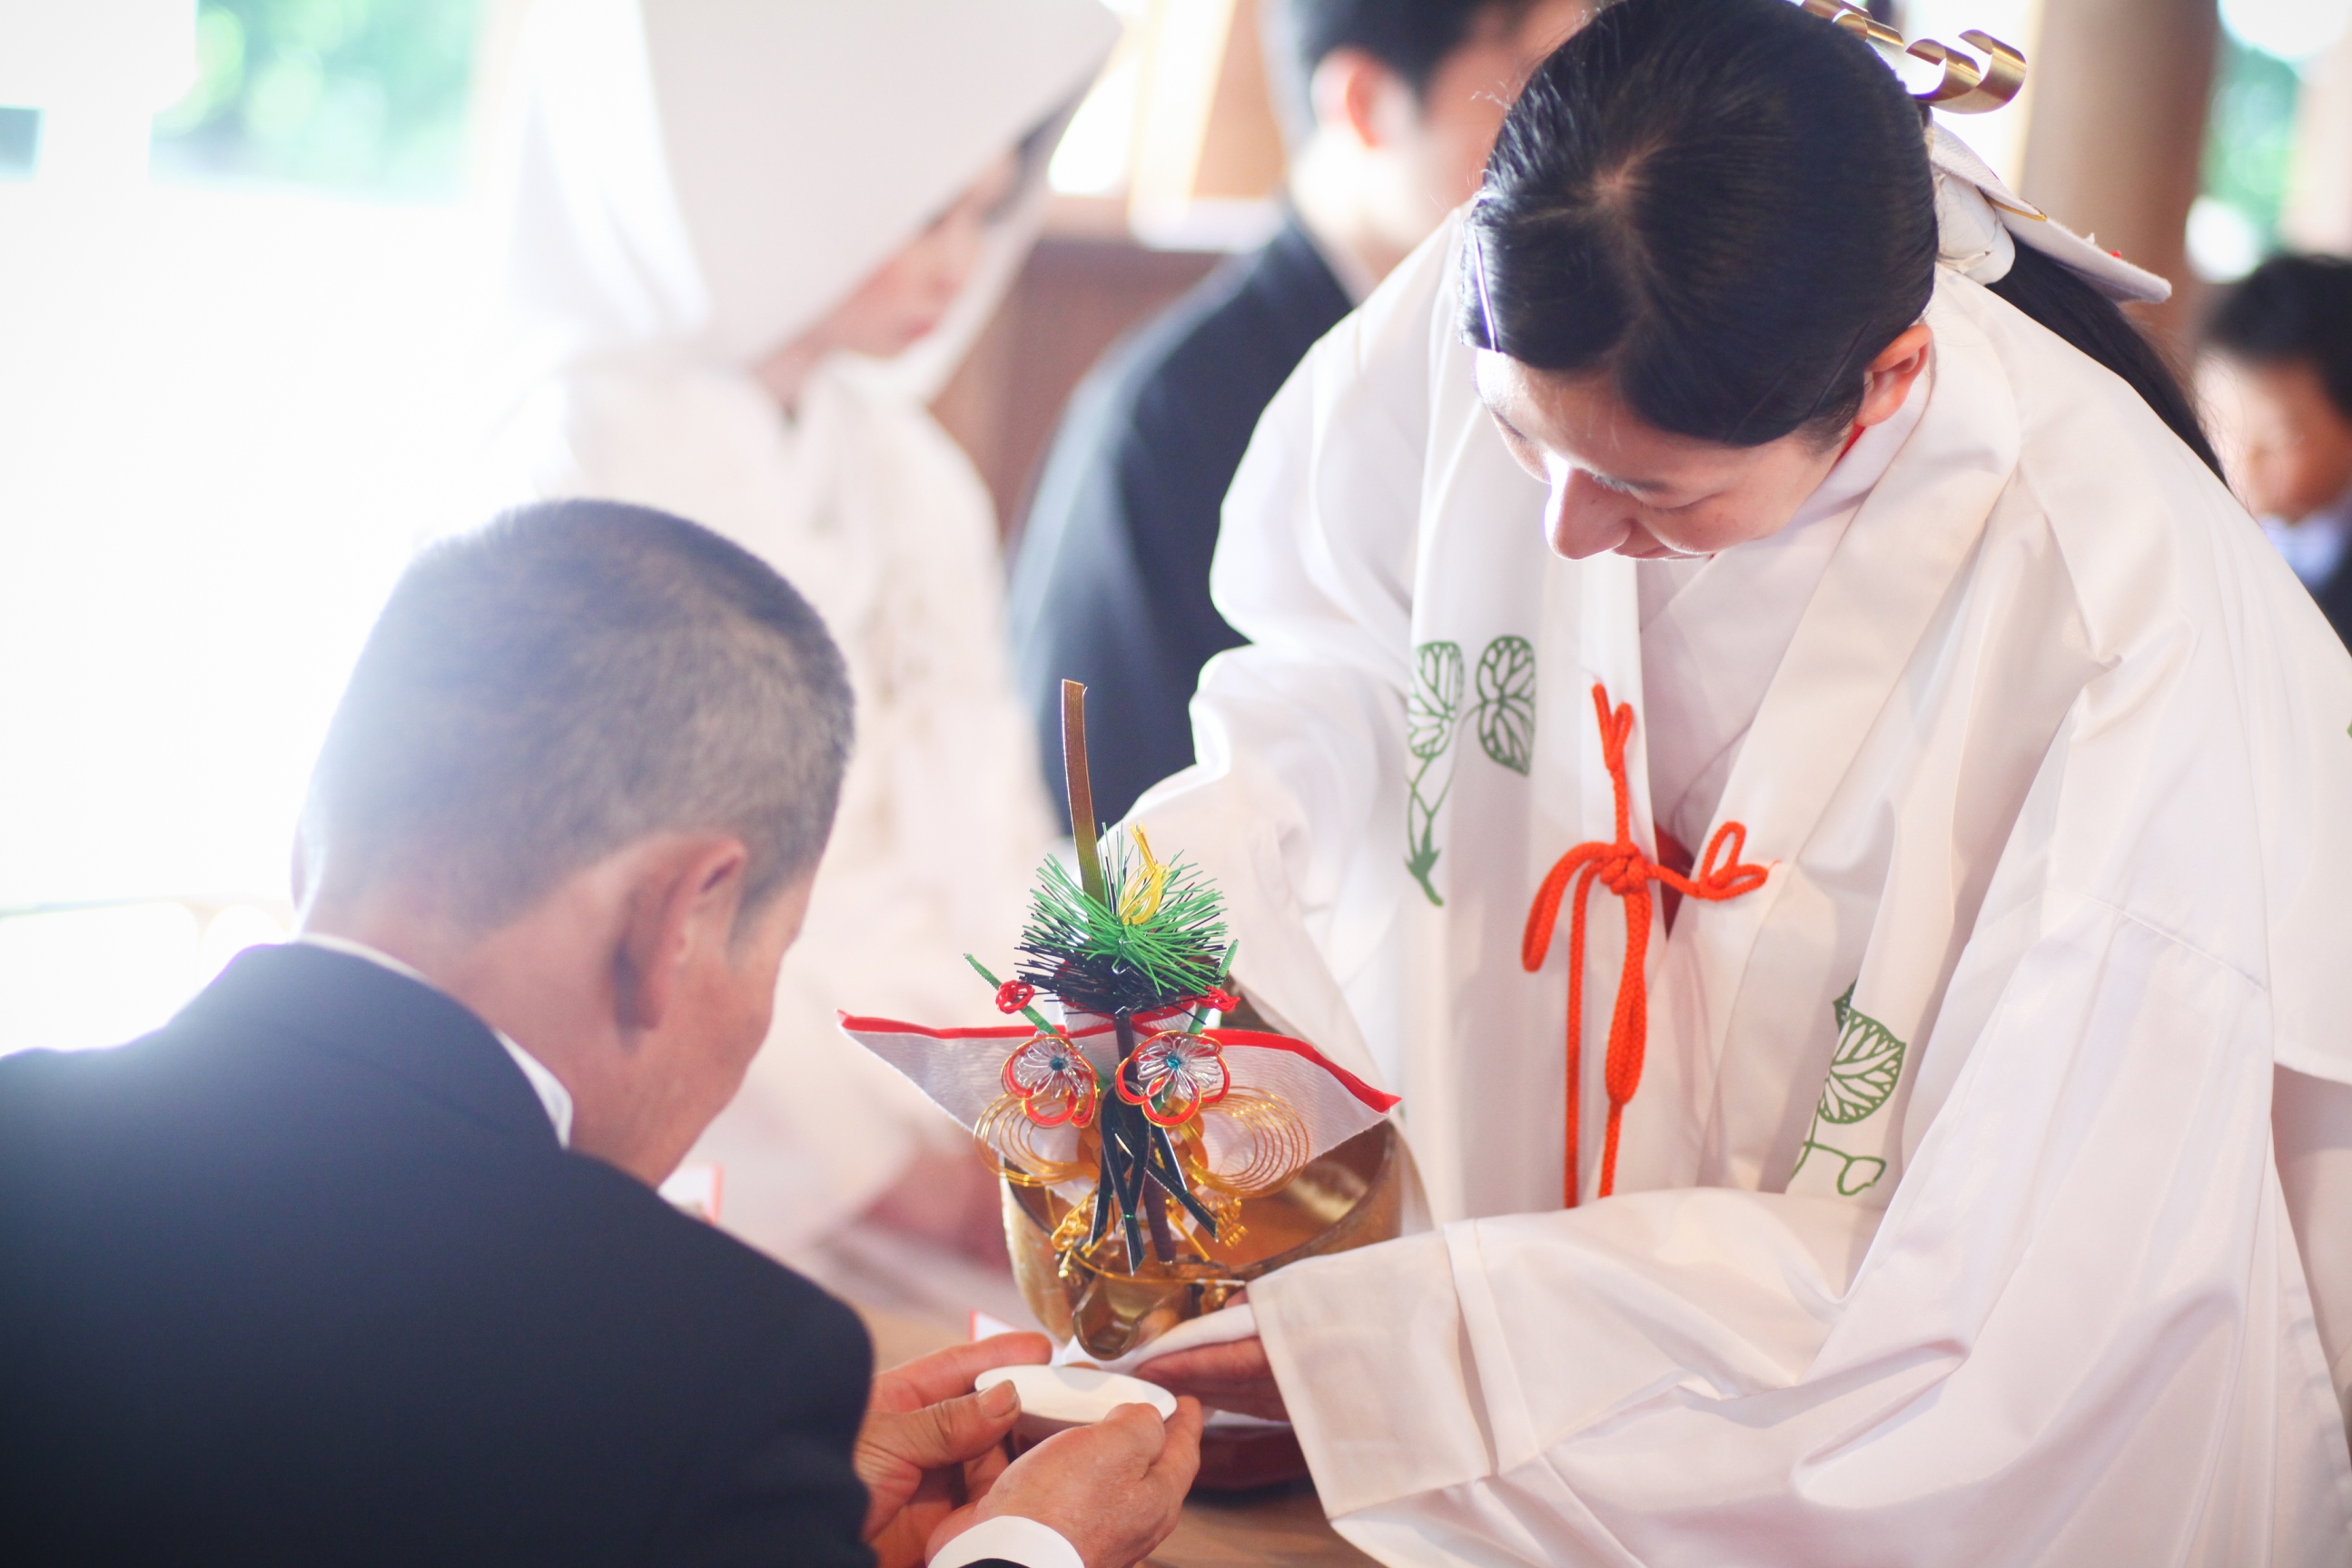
{"x": 239, "y": 366}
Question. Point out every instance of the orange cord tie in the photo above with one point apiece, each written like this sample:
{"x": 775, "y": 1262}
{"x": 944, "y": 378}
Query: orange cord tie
{"x": 1622, "y": 868}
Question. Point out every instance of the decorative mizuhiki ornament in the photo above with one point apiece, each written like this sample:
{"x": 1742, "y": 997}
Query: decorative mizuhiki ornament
{"x": 1141, "y": 1124}
{"x": 1053, "y": 1080}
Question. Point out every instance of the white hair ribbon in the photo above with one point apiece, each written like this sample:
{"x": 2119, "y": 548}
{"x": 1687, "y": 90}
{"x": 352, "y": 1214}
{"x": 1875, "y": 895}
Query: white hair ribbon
{"x": 1980, "y": 222}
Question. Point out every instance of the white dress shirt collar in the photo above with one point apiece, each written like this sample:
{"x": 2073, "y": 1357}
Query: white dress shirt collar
{"x": 552, "y": 1094}
{"x": 2314, "y": 546}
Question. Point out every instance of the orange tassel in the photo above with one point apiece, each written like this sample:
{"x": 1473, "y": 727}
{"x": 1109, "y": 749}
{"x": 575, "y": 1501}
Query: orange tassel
{"x": 1622, "y": 868}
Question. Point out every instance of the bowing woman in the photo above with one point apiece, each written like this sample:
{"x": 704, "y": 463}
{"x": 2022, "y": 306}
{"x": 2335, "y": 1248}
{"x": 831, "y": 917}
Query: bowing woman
{"x": 1836, "y": 917}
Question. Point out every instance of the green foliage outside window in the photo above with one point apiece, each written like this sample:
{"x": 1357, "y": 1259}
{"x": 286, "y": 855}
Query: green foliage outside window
{"x": 2249, "y": 135}
{"x": 369, "y": 96}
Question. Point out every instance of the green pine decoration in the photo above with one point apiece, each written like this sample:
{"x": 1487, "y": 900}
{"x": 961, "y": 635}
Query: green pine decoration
{"x": 1128, "y": 935}
{"x": 1159, "y": 940}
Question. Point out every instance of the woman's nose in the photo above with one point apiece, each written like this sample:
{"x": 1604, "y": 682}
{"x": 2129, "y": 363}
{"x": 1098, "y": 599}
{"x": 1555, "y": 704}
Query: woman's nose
{"x": 1583, "y": 517}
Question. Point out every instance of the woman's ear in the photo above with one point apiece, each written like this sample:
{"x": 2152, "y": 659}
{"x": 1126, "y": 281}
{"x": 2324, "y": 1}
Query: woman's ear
{"x": 1887, "y": 380}
{"x": 680, "y": 913}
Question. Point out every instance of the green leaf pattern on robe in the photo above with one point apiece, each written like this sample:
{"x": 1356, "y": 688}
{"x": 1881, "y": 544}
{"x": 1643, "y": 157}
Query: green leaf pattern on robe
{"x": 1863, "y": 1070}
{"x": 1507, "y": 703}
{"x": 1430, "y": 715}
{"x": 1504, "y": 717}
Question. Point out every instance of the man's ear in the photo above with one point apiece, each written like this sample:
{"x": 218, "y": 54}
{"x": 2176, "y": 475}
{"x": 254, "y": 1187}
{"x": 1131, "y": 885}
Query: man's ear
{"x": 1348, "y": 90}
{"x": 681, "y": 908}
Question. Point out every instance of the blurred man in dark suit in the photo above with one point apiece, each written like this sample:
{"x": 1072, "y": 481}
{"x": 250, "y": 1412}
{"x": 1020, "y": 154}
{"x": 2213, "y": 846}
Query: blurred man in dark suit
{"x": 2288, "y": 328}
{"x": 359, "y": 1259}
{"x": 1390, "y": 107}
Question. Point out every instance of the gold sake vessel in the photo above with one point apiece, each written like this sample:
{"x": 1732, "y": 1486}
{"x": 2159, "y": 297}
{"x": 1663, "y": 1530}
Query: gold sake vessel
{"x": 1350, "y": 1196}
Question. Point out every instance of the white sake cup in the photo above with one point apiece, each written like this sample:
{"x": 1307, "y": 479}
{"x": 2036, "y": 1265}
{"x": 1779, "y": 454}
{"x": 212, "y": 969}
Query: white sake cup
{"x": 1056, "y": 1398}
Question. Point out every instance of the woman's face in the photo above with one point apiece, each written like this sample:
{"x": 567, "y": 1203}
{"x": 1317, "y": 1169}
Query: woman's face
{"x": 1618, "y": 482}
{"x": 904, "y": 299}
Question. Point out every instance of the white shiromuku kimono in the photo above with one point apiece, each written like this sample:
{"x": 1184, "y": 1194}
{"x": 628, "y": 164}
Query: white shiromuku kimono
{"x": 691, "y": 185}
{"x": 1947, "y": 1225}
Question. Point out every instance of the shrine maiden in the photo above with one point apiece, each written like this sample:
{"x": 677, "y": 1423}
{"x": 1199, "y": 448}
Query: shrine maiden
{"x": 746, "y": 244}
{"x": 1972, "y": 781}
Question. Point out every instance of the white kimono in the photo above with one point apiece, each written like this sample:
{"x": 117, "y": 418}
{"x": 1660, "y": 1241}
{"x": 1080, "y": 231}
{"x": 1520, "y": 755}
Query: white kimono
{"x": 1947, "y": 1227}
{"x": 691, "y": 185}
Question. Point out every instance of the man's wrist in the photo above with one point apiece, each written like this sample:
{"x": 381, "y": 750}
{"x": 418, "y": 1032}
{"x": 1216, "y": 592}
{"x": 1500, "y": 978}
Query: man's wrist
{"x": 1012, "y": 1539}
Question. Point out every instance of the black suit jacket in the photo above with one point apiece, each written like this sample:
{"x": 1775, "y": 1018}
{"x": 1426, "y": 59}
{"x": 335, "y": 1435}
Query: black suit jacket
{"x": 1111, "y": 583}
{"x": 2334, "y": 598}
{"x": 305, "y": 1278}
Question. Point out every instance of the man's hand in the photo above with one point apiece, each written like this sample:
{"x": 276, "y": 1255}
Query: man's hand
{"x": 1232, "y": 1376}
{"x": 1114, "y": 1490}
{"x": 930, "y": 1446}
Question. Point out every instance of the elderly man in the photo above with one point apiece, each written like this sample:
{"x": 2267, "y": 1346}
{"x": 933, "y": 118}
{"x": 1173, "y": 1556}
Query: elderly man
{"x": 357, "y": 1260}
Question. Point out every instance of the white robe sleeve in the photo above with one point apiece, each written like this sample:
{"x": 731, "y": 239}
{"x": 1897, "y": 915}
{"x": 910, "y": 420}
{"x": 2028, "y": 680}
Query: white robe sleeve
{"x": 1300, "y": 736}
{"x": 2078, "y": 1334}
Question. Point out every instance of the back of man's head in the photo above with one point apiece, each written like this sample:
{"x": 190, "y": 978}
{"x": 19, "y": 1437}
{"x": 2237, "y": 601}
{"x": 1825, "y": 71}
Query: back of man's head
{"x": 1411, "y": 38}
{"x": 574, "y": 678}
{"x": 2293, "y": 307}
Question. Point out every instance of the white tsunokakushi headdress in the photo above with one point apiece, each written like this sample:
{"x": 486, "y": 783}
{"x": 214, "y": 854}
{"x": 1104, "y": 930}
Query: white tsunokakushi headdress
{"x": 1980, "y": 221}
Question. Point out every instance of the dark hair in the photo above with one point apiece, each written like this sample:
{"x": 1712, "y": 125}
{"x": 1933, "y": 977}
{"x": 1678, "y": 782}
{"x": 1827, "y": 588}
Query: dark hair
{"x": 1411, "y": 37}
{"x": 1723, "y": 204}
{"x": 1726, "y": 206}
{"x": 2293, "y": 307}
{"x": 2062, "y": 300}
{"x": 570, "y": 678}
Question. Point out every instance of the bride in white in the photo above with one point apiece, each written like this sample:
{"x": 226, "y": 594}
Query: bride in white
{"x": 745, "y": 243}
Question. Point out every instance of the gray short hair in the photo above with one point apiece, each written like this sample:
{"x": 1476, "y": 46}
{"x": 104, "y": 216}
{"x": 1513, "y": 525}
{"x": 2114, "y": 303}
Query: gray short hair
{"x": 573, "y": 677}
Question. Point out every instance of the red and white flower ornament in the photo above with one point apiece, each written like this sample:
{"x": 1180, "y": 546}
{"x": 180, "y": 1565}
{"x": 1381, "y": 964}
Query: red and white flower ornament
{"x": 1173, "y": 1077}
{"x": 1054, "y": 1081}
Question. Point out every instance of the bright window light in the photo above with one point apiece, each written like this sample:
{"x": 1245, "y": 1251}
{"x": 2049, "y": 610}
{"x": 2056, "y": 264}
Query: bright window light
{"x": 2290, "y": 29}
{"x": 2224, "y": 244}
{"x": 1093, "y": 156}
{"x": 233, "y": 401}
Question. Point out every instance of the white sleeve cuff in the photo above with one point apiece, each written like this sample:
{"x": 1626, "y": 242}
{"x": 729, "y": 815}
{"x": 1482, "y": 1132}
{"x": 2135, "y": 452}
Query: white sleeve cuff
{"x": 1016, "y": 1540}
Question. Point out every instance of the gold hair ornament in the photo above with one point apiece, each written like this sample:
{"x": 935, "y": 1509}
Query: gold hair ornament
{"x": 1967, "y": 86}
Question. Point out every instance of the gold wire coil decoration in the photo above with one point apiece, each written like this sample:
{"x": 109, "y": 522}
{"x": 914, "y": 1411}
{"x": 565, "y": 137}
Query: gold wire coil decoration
{"x": 1003, "y": 1133}
{"x": 1275, "y": 1149}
